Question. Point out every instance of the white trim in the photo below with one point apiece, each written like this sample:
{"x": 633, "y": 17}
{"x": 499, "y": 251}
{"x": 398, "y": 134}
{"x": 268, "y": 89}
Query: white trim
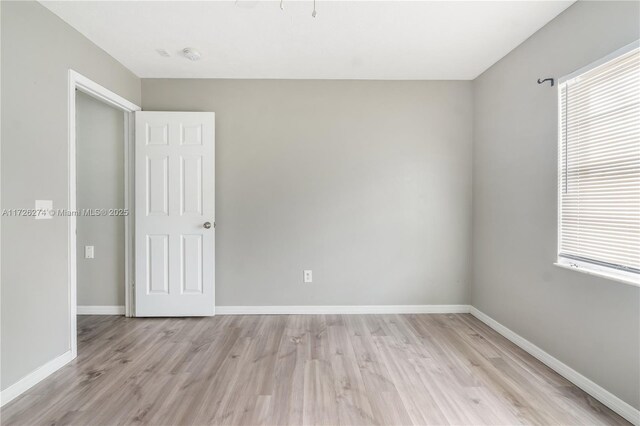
{"x": 101, "y": 93}
{"x": 598, "y": 392}
{"x": 101, "y": 310}
{"x": 599, "y": 271}
{"x": 79, "y": 82}
{"x": 71, "y": 251}
{"x": 129, "y": 203}
{"x": 625, "y": 49}
{"x": 342, "y": 309}
{"x": 35, "y": 377}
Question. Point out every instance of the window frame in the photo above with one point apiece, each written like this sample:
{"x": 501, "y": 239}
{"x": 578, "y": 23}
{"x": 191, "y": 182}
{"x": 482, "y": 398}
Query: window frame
{"x": 576, "y": 264}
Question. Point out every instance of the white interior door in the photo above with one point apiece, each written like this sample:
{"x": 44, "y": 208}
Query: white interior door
{"x": 174, "y": 214}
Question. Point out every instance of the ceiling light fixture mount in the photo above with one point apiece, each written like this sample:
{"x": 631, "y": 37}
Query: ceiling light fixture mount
{"x": 191, "y": 54}
{"x": 314, "y": 13}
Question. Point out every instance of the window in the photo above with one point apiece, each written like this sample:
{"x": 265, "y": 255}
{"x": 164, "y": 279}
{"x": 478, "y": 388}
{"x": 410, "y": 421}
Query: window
{"x": 599, "y": 167}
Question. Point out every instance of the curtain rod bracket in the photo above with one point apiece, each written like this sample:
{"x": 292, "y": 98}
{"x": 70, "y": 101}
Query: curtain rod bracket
{"x": 553, "y": 82}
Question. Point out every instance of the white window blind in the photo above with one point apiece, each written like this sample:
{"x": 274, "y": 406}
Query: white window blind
{"x": 600, "y": 164}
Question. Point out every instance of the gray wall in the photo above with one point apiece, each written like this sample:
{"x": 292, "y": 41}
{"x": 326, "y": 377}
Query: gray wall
{"x": 591, "y": 324}
{"x": 100, "y": 185}
{"x": 367, "y": 183}
{"x": 37, "y": 50}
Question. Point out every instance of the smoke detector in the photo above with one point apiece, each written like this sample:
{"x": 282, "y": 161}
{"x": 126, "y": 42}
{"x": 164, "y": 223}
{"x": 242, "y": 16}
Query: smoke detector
{"x": 191, "y": 54}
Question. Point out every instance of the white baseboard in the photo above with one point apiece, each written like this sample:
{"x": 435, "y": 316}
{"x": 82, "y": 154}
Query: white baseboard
{"x": 35, "y": 377}
{"x": 598, "y": 392}
{"x": 342, "y": 309}
{"x": 100, "y": 310}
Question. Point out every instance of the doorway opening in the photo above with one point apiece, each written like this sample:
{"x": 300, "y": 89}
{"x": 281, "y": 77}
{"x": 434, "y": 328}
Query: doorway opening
{"x": 101, "y": 126}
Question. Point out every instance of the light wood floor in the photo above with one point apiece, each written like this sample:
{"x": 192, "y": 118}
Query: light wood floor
{"x": 296, "y": 369}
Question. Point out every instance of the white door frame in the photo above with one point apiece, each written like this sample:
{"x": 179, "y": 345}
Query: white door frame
{"x": 79, "y": 82}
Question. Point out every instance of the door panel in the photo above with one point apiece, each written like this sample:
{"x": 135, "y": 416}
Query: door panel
{"x": 157, "y": 178}
{"x": 191, "y": 185}
{"x": 191, "y": 266}
{"x": 175, "y": 259}
{"x": 158, "y": 264}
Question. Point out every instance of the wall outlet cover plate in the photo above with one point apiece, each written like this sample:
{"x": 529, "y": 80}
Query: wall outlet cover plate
{"x": 307, "y": 275}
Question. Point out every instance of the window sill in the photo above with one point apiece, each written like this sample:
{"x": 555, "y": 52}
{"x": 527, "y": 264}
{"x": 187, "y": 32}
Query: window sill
{"x": 613, "y": 275}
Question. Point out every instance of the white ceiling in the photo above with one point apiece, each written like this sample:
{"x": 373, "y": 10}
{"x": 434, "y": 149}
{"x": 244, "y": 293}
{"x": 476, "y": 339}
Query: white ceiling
{"x": 387, "y": 40}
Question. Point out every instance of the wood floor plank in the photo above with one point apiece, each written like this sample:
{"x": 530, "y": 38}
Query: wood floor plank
{"x": 420, "y": 405}
{"x": 319, "y": 403}
{"x": 351, "y": 395}
{"x": 385, "y": 401}
{"x": 301, "y": 369}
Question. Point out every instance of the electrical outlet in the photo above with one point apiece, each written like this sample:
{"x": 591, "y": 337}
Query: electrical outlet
{"x": 88, "y": 252}
{"x": 308, "y": 275}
